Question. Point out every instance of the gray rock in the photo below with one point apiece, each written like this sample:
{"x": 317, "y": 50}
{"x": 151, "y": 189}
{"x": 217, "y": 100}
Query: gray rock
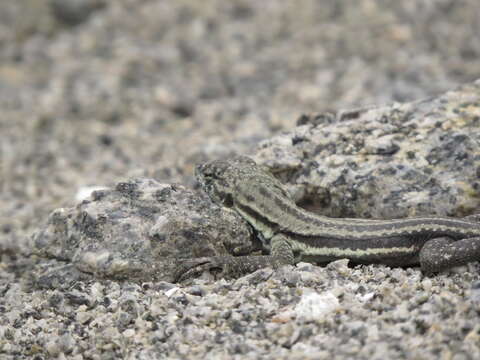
{"x": 393, "y": 161}
{"x": 140, "y": 230}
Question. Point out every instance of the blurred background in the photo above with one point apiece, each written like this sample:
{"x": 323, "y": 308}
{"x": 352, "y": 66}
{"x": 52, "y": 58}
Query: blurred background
{"x": 96, "y": 91}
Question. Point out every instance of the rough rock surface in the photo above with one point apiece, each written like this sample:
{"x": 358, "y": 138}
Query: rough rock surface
{"x": 94, "y": 91}
{"x": 410, "y": 159}
{"x": 140, "y": 231}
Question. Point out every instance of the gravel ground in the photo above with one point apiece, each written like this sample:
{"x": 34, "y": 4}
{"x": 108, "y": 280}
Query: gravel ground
{"x": 94, "y": 92}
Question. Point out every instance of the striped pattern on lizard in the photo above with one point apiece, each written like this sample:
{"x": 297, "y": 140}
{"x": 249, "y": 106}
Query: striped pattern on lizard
{"x": 290, "y": 234}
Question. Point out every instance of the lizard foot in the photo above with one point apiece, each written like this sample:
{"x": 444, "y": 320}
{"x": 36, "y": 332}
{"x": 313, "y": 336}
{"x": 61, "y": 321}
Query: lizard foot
{"x": 194, "y": 268}
{"x": 227, "y": 266}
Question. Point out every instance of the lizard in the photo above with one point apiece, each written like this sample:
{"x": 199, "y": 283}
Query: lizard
{"x": 290, "y": 234}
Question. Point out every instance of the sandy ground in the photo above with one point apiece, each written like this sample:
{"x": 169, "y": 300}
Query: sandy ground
{"x": 93, "y": 92}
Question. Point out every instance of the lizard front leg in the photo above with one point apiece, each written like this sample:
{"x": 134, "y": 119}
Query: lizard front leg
{"x": 441, "y": 253}
{"x": 236, "y": 266}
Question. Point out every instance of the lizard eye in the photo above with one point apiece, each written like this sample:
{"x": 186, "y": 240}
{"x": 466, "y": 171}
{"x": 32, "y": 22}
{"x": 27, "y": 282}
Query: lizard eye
{"x": 227, "y": 200}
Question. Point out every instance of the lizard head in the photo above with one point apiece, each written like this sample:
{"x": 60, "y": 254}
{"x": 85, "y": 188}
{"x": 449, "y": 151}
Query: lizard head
{"x": 219, "y": 178}
{"x": 225, "y": 181}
